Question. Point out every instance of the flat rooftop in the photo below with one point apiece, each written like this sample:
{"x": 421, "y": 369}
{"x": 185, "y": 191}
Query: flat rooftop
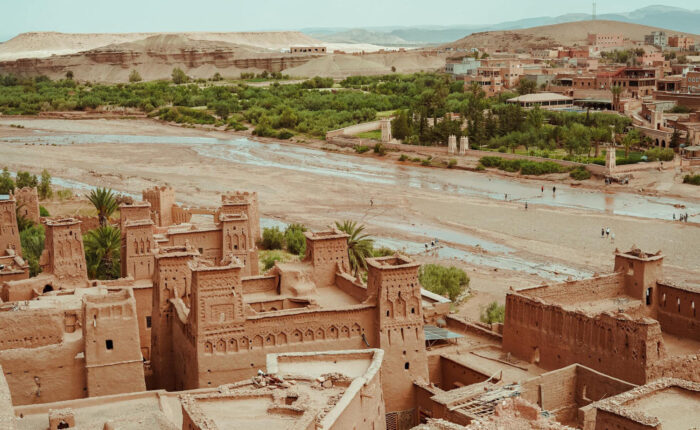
{"x": 675, "y": 407}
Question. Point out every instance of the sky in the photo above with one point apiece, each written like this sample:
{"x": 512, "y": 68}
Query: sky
{"x": 121, "y": 16}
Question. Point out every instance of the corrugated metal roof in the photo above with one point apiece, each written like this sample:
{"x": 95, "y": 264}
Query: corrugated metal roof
{"x": 437, "y": 333}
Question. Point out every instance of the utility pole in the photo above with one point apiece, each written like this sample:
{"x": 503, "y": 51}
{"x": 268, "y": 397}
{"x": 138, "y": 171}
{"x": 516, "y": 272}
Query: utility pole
{"x": 593, "y": 16}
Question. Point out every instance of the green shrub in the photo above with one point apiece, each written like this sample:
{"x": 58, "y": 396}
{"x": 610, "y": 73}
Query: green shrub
{"x": 490, "y": 161}
{"x": 426, "y": 162}
{"x": 494, "y": 313}
{"x": 691, "y": 179}
{"x": 44, "y": 188}
{"x": 540, "y": 167}
{"x": 64, "y": 194}
{"x": 382, "y": 252}
{"x": 179, "y": 77}
{"x": 451, "y": 163}
{"x": 294, "y": 239}
{"x": 403, "y": 157}
{"x": 32, "y": 241}
{"x": 272, "y": 238}
{"x": 285, "y": 134}
{"x": 43, "y": 211}
{"x": 659, "y": 154}
{"x": 480, "y": 167}
{"x": 442, "y": 280}
{"x": 379, "y": 149}
{"x": 134, "y": 76}
{"x": 361, "y": 149}
{"x": 268, "y": 258}
{"x": 580, "y": 173}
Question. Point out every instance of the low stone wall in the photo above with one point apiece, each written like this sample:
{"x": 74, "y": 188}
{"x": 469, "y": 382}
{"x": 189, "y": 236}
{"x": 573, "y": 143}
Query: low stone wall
{"x": 354, "y": 129}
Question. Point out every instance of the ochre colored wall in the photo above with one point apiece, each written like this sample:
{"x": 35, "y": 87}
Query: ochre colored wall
{"x": 244, "y": 351}
{"x": 554, "y": 338}
{"x": 607, "y": 421}
{"x": 455, "y": 374}
{"x": 39, "y": 361}
{"x": 677, "y": 311}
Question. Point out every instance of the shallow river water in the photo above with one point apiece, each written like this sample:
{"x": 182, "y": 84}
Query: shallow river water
{"x": 348, "y": 167}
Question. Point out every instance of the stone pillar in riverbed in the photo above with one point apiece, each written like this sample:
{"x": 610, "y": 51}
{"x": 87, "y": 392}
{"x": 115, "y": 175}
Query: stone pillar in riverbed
{"x": 610, "y": 161}
{"x": 452, "y": 144}
{"x": 385, "y": 125}
{"x": 463, "y": 145}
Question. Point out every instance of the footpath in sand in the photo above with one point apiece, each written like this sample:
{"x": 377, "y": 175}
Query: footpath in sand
{"x": 498, "y": 242}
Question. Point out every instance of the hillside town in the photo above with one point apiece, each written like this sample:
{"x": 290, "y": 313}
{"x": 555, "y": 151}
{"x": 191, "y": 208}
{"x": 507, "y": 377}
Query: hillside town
{"x": 351, "y": 229}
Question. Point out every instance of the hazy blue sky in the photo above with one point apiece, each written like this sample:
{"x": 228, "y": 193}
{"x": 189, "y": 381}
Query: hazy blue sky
{"x": 81, "y": 16}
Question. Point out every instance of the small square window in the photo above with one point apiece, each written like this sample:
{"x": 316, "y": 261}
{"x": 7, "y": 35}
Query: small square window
{"x": 109, "y": 344}
{"x": 148, "y": 321}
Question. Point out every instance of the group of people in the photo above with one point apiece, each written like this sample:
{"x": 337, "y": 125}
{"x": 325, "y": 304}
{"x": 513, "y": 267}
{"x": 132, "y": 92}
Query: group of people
{"x": 605, "y": 232}
{"x": 681, "y": 217}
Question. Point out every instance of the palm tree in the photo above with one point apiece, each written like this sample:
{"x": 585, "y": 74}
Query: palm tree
{"x": 616, "y": 90}
{"x": 359, "y": 245}
{"x": 632, "y": 138}
{"x": 105, "y": 202}
{"x": 102, "y": 247}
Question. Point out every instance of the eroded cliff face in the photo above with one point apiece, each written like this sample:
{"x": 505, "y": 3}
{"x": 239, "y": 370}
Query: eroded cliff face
{"x": 154, "y": 58}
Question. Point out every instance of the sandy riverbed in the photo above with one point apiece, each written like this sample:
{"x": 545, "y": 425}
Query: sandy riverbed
{"x": 545, "y": 234}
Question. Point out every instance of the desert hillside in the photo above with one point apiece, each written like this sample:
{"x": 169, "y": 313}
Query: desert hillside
{"x": 45, "y": 44}
{"x": 565, "y": 34}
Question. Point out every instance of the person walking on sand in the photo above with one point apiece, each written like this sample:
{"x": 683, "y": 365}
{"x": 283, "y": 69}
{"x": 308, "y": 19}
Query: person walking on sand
{"x": 525, "y": 205}
{"x": 506, "y": 196}
{"x": 371, "y": 202}
{"x": 607, "y": 231}
{"x": 554, "y": 189}
{"x": 542, "y": 188}
{"x": 602, "y": 232}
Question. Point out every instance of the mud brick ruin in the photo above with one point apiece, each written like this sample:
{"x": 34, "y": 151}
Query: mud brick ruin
{"x": 194, "y": 337}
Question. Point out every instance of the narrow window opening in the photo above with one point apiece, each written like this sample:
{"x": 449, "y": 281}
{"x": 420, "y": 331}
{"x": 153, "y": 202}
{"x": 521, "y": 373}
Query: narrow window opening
{"x": 109, "y": 344}
{"x": 148, "y": 321}
{"x": 406, "y": 365}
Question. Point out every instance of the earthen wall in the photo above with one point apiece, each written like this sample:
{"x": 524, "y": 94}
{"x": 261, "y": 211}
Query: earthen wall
{"x": 27, "y": 200}
{"x": 9, "y": 233}
{"x": 63, "y": 255}
{"x": 112, "y": 347}
{"x": 677, "y": 311}
{"x": 596, "y": 288}
{"x": 394, "y": 281}
{"x": 207, "y": 242}
{"x": 42, "y": 363}
{"x": 259, "y": 284}
{"x": 238, "y": 354}
{"x": 553, "y": 338}
{"x": 143, "y": 297}
{"x": 454, "y": 374}
{"x": 608, "y": 421}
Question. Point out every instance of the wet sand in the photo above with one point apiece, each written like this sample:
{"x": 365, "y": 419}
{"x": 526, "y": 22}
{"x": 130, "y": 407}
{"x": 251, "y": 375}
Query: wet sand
{"x": 491, "y": 238}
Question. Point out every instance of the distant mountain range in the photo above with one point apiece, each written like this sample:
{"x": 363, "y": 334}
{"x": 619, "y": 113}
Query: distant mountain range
{"x": 673, "y": 18}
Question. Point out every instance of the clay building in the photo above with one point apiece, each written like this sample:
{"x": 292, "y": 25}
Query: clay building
{"x": 62, "y": 263}
{"x": 12, "y": 266}
{"x": 629, "y": 324}
{"x": 333, "y": 390}
{"x": 683, "y": 43}
{"x": 28, "y": 203}
{"x": 308, "y": 345}
{"x": 307, "y": 49}
{"x": 605, "y": 40}
{"x": 70, "y": 345}
{"x": 213, "y": 325}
